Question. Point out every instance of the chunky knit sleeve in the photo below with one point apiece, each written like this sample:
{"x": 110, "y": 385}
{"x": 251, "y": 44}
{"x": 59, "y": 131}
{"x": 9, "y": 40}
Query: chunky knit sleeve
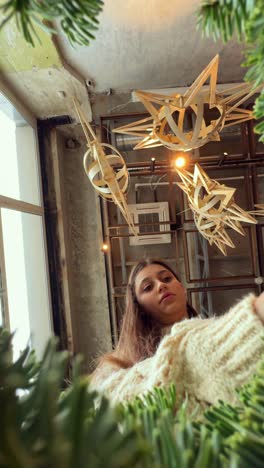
{"x": 206, "y": 359}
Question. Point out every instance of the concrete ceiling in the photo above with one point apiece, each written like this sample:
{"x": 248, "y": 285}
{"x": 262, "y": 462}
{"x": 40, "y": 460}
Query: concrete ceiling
{"x": 140, "y": 44}
{"x": 150, "y": 44}
{"x": 38, "y": 77}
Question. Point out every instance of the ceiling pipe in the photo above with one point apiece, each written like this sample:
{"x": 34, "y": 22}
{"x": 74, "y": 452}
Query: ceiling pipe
{"x": 150, "y": 184}
{"x": 161, "y": 167}
{"x": 202, "y": 160}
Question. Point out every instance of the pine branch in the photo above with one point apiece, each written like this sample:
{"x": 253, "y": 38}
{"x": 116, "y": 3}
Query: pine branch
{"x": 43, "y": 426}
{"x": 78, "y": 18}
{"x": 46, "y": 426}
{"x": 221, "y": 19}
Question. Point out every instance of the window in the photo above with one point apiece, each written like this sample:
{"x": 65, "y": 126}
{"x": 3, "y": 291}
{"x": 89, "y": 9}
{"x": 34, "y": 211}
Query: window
{"x": 24, "y": 289}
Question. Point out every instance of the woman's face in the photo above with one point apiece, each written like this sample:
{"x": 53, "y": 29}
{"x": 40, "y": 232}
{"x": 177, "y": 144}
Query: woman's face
{"x": 160, "y": 294}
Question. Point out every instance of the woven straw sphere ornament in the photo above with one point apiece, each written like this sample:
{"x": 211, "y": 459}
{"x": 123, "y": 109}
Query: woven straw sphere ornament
{"x": 104, "y": 178}
{"x": 166, "y": 124}
{"x": 213, "y": 207}
{"x": 109, "y": 182}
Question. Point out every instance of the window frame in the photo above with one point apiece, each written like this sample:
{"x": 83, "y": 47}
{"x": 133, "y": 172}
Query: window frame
{"x": 23, "y": 207}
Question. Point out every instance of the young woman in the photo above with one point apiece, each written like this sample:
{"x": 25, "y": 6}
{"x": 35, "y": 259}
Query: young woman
{"x": 162, "y": 340}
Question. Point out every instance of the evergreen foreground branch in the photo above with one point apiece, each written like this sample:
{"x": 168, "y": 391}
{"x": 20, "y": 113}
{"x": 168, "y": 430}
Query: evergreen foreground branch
{"x": 46, "y": 426}
{"x": 77, "y": 18}
{"x": 222, "y": 19}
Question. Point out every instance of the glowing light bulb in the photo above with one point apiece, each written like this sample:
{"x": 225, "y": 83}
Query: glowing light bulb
{"x": 105, "y": 247}
{"x": 180, "y": 162}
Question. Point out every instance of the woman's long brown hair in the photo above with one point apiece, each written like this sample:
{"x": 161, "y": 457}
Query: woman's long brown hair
{"x": 140, "y": 333}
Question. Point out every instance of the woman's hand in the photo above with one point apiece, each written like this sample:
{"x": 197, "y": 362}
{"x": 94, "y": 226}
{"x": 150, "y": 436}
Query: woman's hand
{"x": 259, "y": 307}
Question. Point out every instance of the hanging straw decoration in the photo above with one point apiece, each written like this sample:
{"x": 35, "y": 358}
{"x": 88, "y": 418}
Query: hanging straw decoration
{"x": 109, "y": 182}
{"x": 166, "y": 124}
{"x": 213, "y": 207}
{"x": 259, "y": 211}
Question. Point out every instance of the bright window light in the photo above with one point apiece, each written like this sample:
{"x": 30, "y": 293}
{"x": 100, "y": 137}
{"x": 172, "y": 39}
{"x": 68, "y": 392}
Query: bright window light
{"x": 18, "y": 160}
{"x": 9, "y": 182}
{"x": 24, "y": 256}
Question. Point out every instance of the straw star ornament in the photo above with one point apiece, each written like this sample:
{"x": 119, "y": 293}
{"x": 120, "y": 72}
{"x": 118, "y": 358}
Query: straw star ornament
{"x": 259, "y": 211}
{"x": 166, "y": 125}
{"x": 213, "y": 207}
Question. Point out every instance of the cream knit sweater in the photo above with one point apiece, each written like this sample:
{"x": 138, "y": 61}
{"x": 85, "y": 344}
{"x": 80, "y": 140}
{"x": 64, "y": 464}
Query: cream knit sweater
{"x": 206, "y": 359}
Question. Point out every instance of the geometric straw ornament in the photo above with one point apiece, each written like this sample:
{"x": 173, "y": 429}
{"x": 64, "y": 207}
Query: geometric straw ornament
{"x": 167, "y": 124}
{"x": 213, "y": 207}
{"x": 110, "y": 183}
{"x": 259, "y": 211}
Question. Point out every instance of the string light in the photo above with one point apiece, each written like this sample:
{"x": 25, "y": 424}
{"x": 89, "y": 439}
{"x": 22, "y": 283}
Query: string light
{"x": 104, "y": 247}
{"x": 180, "y": 162}
{"x": 152, "y": 164}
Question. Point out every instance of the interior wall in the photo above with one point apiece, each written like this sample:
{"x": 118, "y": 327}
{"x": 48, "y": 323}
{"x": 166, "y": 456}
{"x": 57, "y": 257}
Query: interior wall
{"x": 88, "y": 282}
